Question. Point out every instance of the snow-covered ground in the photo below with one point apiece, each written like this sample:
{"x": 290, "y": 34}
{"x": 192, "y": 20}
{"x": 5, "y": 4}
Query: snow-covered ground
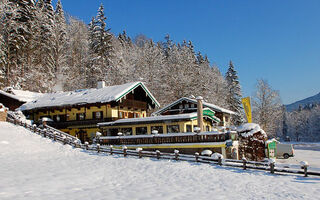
{"x": 33, "y": 167}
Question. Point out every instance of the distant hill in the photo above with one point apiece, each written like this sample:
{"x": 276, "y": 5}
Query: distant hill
{"x": 304, "y": 102}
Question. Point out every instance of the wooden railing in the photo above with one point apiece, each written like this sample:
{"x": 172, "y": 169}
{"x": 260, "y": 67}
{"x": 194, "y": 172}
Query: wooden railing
{"x": 163, "y": 139}
{"x": 64, "y": 138}
{"x": 133, "y": 104}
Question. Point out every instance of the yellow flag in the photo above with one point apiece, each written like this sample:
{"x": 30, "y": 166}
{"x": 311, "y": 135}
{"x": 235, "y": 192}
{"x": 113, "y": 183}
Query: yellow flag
{"x": 247, "y": 108}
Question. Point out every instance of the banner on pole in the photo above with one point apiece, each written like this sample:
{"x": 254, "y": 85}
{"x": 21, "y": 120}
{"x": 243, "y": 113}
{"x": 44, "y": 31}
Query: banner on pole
{"x": 247, "y": 108}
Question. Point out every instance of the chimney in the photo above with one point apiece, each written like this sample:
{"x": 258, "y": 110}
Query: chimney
{"x": 101, "y": 84}
{"x": 200, "y": 113}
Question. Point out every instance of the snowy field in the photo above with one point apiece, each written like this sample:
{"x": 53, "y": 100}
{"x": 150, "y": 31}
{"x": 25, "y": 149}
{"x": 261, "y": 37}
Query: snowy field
{"x": 33, "y": 167}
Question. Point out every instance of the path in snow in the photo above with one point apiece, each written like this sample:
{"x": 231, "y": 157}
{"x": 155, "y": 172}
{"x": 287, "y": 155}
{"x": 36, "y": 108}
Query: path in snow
{"x": 33, "y": 167}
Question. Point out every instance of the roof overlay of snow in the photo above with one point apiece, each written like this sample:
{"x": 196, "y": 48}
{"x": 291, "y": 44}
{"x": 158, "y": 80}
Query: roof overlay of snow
{"x": 248, "y": 129}
{"x": 85, "y": 96}
{"x": 152, "y": 119}
{"x": 33, "y": 167}
{"x": 21, "y": 95}
{"x": 205, "y": 104}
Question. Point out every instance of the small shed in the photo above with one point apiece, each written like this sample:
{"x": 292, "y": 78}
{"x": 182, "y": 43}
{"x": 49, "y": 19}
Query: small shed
{"x": 252, "y": 141}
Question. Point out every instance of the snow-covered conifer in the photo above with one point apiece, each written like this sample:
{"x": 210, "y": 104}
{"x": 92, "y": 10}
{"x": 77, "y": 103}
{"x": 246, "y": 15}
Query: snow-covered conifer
{"x": 234, "y": 94}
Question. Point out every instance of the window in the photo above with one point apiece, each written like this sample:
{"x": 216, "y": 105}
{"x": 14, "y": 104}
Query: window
{"x": 141, "y": 130}
{"x": 112, "y": 132}
{"x": 97, "y": 115}
{"x": 157, "y": 128}
{"x": 130, "y": 115}
{"x": 173, "y": 129}
{"x": 226, "y": 118}
{"x": 186, "y": 106}
{"x": 180, "y": 106}
{"x": 136, "y": 115}
{"x": 80, "y": 116}
{"x": 126, "y": 131}
{"x": 120, "y": 115}
{"x": 207, "y": 128}
{"x": 192, "y": 105}
{"x": 189, "y": 128}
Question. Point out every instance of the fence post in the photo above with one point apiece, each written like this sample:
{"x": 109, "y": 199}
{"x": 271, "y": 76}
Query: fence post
{"x": 34, "y": 128}
{"x": 158, "y": 154}
{"x": 139, "y": 150}
{"x": 87, "y": 145}
{"x": 124, "y": 151}
{"x": 111, "y": 152}
{"x": 98, "y": 148}
{"x": 65, "y": 140}
{"x": 197, "y": 156}
{"x": 304, "y": 166}
{"x": 244, "y": 160}
{"x": 272, "y": 166}
{"x": 176, "y": 154}
{"x": 219, "y": 160}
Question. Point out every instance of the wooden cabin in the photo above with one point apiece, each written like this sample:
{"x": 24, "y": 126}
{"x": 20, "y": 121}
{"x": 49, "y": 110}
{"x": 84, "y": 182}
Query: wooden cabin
{"x": 78, "y": 112}
{"x": 189, "y": 105}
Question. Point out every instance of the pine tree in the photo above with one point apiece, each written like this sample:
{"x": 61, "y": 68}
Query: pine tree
{"x": 101, "y": 49}
{"x": 60, "y": 45}
{"x": 234, "y": 94}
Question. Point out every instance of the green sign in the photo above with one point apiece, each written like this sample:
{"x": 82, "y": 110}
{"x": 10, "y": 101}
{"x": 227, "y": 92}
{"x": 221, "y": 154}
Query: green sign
{"x": 272, "y": 149}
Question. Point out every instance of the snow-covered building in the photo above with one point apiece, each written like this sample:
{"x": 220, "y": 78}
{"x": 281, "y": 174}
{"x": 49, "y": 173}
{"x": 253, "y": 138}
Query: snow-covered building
{"x": 12, "y": 98}
{"x": 189, "y": 105}
{"x": 78, "y": 112}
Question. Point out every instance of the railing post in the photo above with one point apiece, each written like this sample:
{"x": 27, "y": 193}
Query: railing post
{"x": 54, "y": 136}
{"x": 176, "y": 154}
{"x": 111, "y": 149}
{"x": 244, "y": 160}
{"x": 197, "y": 156}
{"x": 124, "y": 151}
{"x": 158, "y": 154}
{"x": 44, "y": 132}
{"x": 87, "y": 145}
{"x": 98, "y": 148}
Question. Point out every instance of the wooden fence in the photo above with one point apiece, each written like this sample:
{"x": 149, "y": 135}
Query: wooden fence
{"x": 65, "y": 138}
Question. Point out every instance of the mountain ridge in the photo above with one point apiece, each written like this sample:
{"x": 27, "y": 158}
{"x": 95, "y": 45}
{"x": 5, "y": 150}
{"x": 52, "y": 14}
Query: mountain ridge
{"x": 315, "y": 99}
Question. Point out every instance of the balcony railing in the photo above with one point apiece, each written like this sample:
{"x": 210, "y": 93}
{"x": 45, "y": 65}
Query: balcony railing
{"x": 133, "y": 104}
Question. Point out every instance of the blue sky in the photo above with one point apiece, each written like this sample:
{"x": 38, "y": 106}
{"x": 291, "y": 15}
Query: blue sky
{"x": 278, "y": 40}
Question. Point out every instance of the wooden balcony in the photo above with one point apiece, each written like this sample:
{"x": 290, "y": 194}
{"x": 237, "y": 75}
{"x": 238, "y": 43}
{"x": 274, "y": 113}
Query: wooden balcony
{"x": 133, "y": 104}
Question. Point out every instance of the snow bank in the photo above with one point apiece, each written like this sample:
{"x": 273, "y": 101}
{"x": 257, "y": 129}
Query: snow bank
{"x": 217, "y": 155}
{"x": 248, "y": 129}
{"x": 35, "y": 168}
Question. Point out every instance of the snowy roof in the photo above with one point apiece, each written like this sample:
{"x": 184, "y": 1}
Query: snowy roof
{"x": 20, "y": 95}
{"x": 248, "y": 129}
{"x": 154, "y": 119}
{"x": 205, "y": 104}
{"x": 85, "y": 96}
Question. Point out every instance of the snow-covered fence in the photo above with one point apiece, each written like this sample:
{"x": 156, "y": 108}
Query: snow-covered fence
{"x": 65, "y": 138}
